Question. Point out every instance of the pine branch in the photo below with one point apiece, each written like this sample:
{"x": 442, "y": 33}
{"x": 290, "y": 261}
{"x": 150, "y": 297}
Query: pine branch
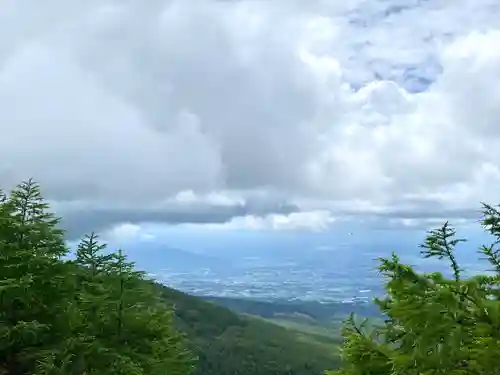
{"x": 492, "y": 255}
{"x": 441, "y": 243}
{"x": 491, "y": 224}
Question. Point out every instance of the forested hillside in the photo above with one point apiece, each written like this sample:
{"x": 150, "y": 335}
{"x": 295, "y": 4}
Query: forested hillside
{"x": 308, "y": 317}
{"x": 321, "y": 312}
{"x": 227, "y": 343}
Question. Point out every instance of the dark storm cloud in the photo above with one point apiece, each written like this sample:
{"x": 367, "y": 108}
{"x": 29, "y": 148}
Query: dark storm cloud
{"x": 81, "y": 222}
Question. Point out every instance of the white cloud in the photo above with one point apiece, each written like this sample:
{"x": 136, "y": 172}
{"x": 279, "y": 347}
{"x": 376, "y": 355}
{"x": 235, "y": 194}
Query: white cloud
{"x": 214, "y": 198}
{"x": 316, "y": 221}
{"x": 128, "y": 232}
{"x": 123, "y": 103}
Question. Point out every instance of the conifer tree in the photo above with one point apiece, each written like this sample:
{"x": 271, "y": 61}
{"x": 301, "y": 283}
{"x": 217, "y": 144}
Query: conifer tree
{"x": 130, "y": 331}
{"x": 34, "y": 284}
{"x": 433, "y": 325}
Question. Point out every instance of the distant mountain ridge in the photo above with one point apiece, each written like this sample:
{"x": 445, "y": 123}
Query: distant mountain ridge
{"x": 323, "y": 312}
{"x": 171, "y": 259}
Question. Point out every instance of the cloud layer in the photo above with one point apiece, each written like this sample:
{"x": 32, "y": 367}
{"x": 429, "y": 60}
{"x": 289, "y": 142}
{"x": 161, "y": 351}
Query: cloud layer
{"x": 251, "y": 108}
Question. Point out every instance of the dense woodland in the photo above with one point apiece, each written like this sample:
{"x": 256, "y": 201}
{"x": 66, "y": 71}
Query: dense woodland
{"x": 93, "y": 313}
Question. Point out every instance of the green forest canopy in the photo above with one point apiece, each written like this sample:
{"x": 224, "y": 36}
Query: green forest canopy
{"x": 96, "y": 314}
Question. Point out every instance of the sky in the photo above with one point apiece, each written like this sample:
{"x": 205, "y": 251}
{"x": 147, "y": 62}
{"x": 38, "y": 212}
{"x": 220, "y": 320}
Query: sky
{"x": 141, "y": 118}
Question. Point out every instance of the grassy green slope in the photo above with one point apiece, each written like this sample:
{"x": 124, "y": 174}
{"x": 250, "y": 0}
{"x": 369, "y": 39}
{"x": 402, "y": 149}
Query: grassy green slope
{"x": 228, "y": 343}
{"x": 309, "y": 317}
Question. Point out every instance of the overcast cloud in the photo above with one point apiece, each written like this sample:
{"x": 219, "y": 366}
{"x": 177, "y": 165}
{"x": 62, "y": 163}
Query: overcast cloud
{"x": 206, "y": 111}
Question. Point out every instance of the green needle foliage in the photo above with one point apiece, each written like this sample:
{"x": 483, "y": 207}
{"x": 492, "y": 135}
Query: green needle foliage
{"x": 434, "y": 325}
{"x": 91, "y": 315}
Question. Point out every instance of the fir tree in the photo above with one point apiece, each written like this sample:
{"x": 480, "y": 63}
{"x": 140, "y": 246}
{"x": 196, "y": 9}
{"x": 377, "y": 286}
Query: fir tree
{"x": 34, "y": 283}
{"x": 131, "y": 332}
